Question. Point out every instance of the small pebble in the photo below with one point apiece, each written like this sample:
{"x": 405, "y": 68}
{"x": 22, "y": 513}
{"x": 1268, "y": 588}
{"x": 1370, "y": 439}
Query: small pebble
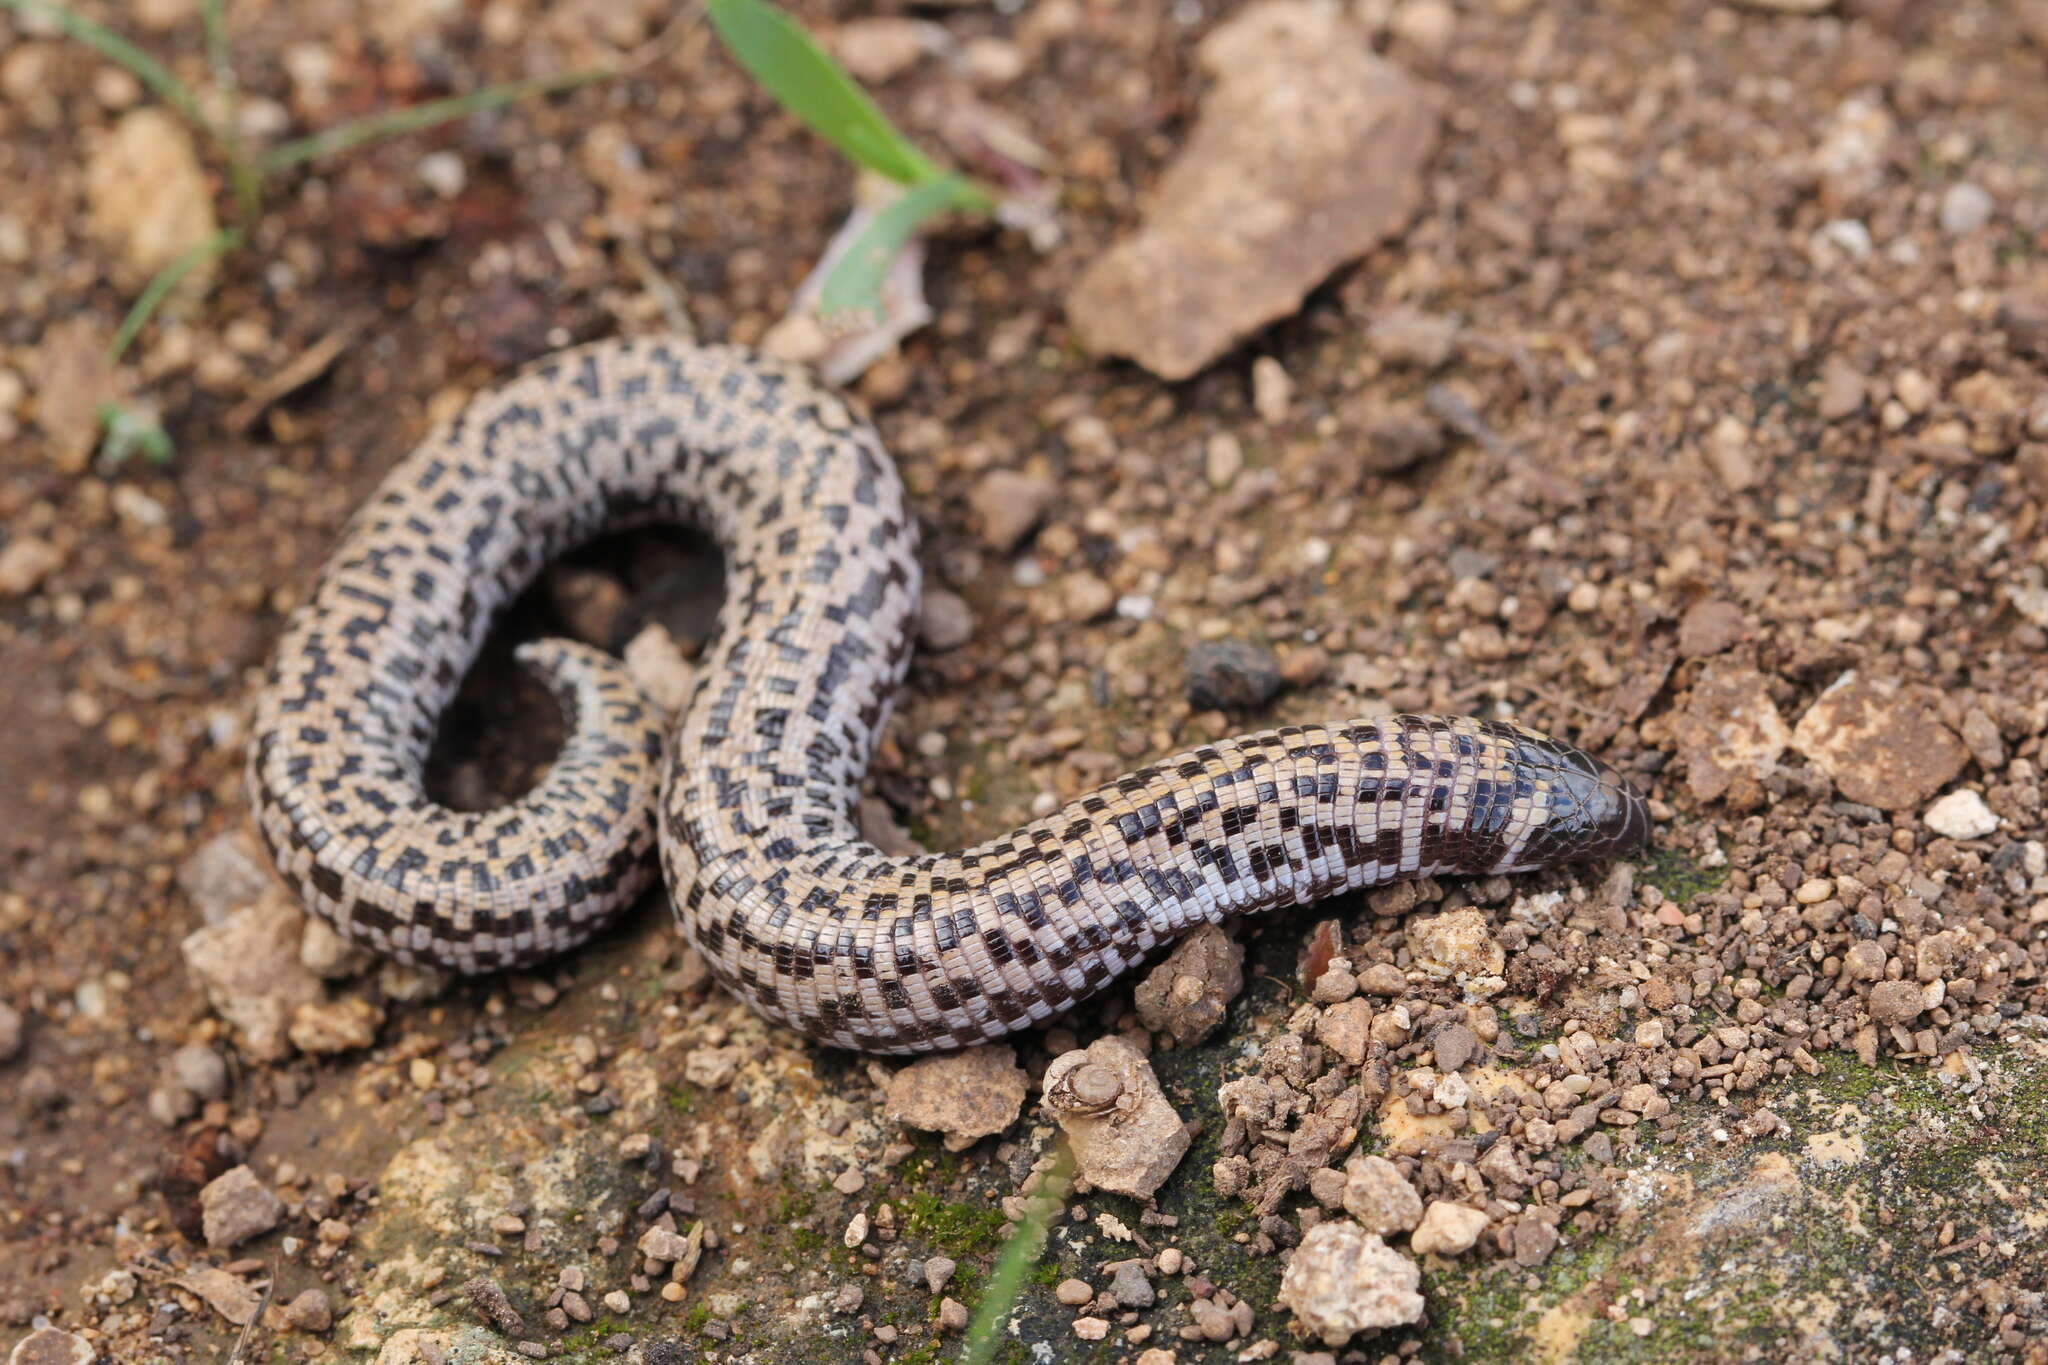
{"x": 1231, "y": 675}
{"x": 1129, "y": 1286}
{"x": 1962, "y": 815}
{"x": 1073, "y": 1293}
{"x": 1272, "y": 390}
{"x": 310, "y": 1311}
{"x": 1965, "y": 208}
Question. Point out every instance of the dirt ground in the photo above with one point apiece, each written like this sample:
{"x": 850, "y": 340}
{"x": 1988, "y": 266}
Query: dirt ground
{"x": 1700, "y": 417}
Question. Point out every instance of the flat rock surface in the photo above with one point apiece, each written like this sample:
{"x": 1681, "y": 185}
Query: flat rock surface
{"x": 1883, "y": 742}
{"x": 965, "y": 1095}
{"x": 1730, "y": 736}
{"x": 1308, "y": 153}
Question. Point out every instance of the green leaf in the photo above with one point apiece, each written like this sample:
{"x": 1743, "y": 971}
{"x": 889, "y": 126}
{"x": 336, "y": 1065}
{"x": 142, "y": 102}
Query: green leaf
{"x": 213, "y": 19}
{"x": 808, "y": 83}
{"x": 127, "y": 432}
{"x": 119, "y": 51}
{"x": 164, "y": 281}
{"x": 1019, "y": 1254}
{"x": 855, "y": 281}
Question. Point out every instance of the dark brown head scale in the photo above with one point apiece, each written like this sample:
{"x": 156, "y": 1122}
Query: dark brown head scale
{"x": 1594, "y": 812}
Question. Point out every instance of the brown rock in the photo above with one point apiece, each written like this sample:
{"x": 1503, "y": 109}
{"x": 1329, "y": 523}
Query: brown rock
{"x": 1881, "y": 743}
{"x": 1186, "y": 995}
{"x": 309, "y": 1312}
{"x": 149, "y": 197}
{"x": 1458, "y": 945}
{"x": 488, "y": 1298}
{"x": 1308, "y": 153}
{"x": 1534, "y": 1240}
{"x": 965, "y": 1095}
{"x": 325, "y": 1027}
{"x": 1379, "y": 1196}
{"x": 234, "y": 1298}
{"x": 1346, "y": 1029}
{"x": 1730, "y": 735}
{"x": 52, "y": 1346}
{"x": 1938, "y": 956}
{"x": 1073, "y": 1293}
{"x": 1397, "y": 438}
{"x": 1447, "y": 1229}
{"x": 1382, "y": 978}
{"x": 1272, "y": 390}
{"x": 237, "y": 1206}
{"x": 1709, "y": 627}
{"x": 1008, "y": 506}
{"x": 249, "y": 966}
{"x": 1863, "y": 962}
{"x": 1125, "y": 1136}
{"x": 1897, "y": 1002}
{"x": 2023, "y": 317}
{"x": 1843, "y": 389}
{"x": 25, "y": 562}
{"x": 328, "y": 955}
{"x": 74, "y": 379}
{"x": 944, "y": 620}
{"x": 226, "y": 874}
{"x": 1304, "y": 667}
{"x": 1405, "y": 335}
{"x": 876, "y": 49}
{"x": 712, "y": 1067}
{"x": 1726, "y": 451}
{"x": 1454, "y": 1046}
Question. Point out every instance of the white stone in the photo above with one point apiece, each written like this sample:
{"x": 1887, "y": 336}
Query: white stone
{"x": 1961, "y": 815}
{"x": 1965, "y": 208}
{"x": 1847, "y": 236}
{"x": 1447, "y": 1229}
{"x": 1344, "y": 1280}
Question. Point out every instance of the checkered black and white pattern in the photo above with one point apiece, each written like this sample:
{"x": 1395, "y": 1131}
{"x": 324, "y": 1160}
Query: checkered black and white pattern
{"x": 752, "y": 808}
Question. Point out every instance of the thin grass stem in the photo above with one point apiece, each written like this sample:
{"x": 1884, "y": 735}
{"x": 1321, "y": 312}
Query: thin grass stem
{"x": 398, "y": 122}
{"x": 164, "y": 281}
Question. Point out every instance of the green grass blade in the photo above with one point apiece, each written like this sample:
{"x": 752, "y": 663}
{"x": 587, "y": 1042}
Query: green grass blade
{"x": 806, "y": 81}
{"x": 1019, "y": 1254}
{"x": 434, "y": 112}
{"x": 213, "y": 17}
{"x": 164, "y": 281}
{"x": 119, "y": 51}
{"x": 855, "y": 281}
